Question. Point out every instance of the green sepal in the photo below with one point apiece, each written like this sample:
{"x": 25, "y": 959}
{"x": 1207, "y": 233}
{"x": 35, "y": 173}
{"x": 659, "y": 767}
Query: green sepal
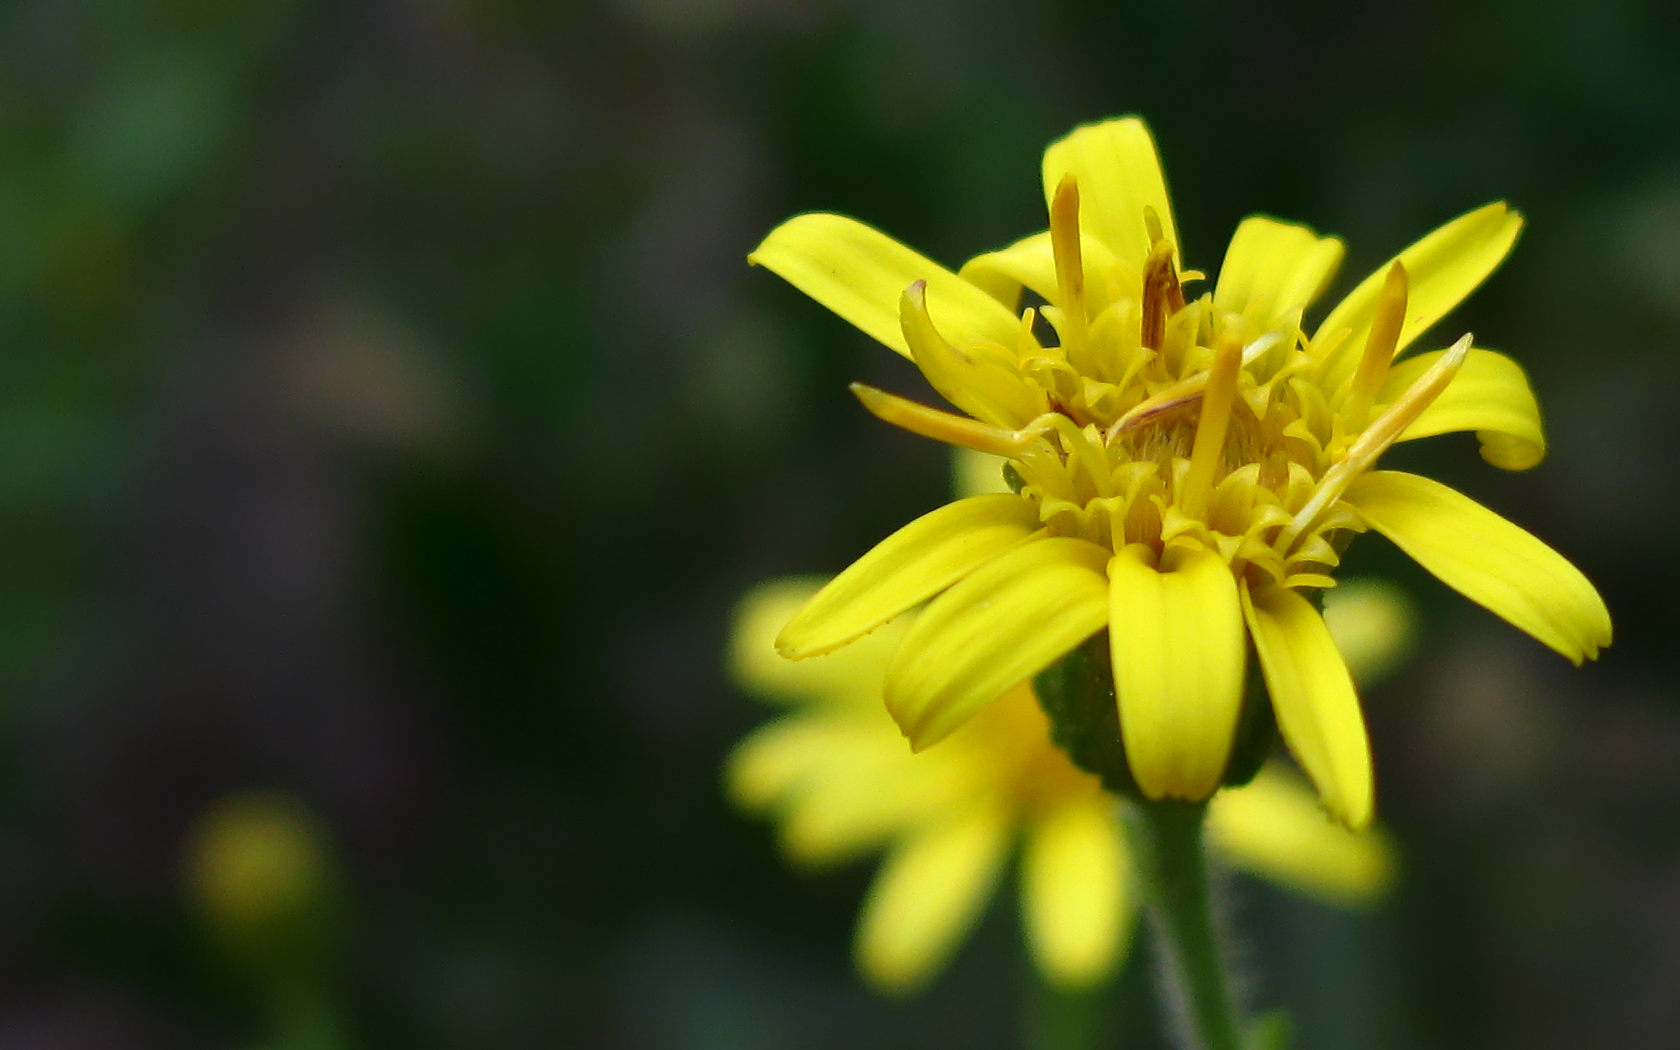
{"x": 1077, "y": 694}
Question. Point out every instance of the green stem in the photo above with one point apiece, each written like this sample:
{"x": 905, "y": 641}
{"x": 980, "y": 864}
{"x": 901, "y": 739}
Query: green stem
{"x": 1167, "y": 837}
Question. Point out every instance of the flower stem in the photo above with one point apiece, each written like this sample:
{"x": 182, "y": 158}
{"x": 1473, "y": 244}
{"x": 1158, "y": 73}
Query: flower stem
{"x": 1167, "y": 838}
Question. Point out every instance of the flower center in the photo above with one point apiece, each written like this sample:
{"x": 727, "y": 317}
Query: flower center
{"x": 1163, "y": 421}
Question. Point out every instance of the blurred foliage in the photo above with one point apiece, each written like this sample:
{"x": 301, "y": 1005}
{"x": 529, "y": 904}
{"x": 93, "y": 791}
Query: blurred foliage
{"x": 388, "y": 418}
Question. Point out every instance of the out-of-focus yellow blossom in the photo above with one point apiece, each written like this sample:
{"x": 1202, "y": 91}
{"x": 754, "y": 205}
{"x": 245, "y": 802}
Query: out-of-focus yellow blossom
{"x": 1186, "y": 470}
{"x": 1374, "y": 626}
{"x": 838, "y": 776}
{"x": 258, "y": 870}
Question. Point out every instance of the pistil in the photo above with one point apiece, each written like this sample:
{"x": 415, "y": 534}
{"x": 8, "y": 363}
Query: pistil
{"x": 1070, "y": 272}
{"x": 1184, "y": 392}
{"x": 1384, "y": 336}
{"x": 961, "y": 431}
{"x": 1217, "y": 401}
{"x": 1163, "y": 296}
{"x": 1384, "y": 431}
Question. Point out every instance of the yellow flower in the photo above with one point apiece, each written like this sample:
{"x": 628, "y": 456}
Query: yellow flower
{"x": 1186, "y": 470}
{"x": 259, "y": 870}
{"x": 839, "y": 776}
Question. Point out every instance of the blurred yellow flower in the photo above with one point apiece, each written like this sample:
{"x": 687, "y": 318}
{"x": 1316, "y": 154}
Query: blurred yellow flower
{"x": 1186, "y": 470}
{"x": 258, "y": 870}
{"x": 255, "y": 860}
{"x": 837, "y": 774}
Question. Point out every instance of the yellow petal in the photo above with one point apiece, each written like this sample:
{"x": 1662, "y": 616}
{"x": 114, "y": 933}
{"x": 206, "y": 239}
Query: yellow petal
{"x": 1490, "y": 395}
{"x": 977, "y": 473}
{"x": 859, "y": 272}
{"x": 926, "y": 421}
{"x": 852, "y": 674}
{"x": 1312, "y": 695}
{"x": 1031, "y": 263}
{"x": 1275, "y": 828}
{"x": 985, "y": 385}
{"x": 1280, "y": 264}
{"x": 927, "y": 896}
{"x": 1177, "y": 643}
{"x": 1374, "y": 625}
{"x": 1075, "y": 891}
{"x": 1119, "y": 176}
{"x": 768, "y": 762}
{"x": 865, "y": 788}
{"x": 905, "y": 569}
{"x": 842, "y": 783}
{"x": 1487, "y": 559}
{"x": 1444, "y": 267}
{"x": 1000, "y": 626}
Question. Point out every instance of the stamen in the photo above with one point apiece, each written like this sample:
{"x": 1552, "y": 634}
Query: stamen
{"x": 1217, "y": 402}
{"x": 1384, "y": 431}
{"x": 1070, "y": 268}
{"x": 1084, "y": 452}
{"x": 1162, "y": 295}
{"x": 1152, "y": 223}
{"x": 951, "y": 429}
{"x": 927, "y": 347}
{"x": 1181, "y": 393}
{"x": 1274, "y": 471}
{"x": 1026, "y": 344}
{"x": 1384, "y": 336}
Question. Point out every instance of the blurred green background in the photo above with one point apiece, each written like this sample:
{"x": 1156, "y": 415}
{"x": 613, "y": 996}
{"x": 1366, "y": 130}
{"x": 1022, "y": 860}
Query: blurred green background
{"x": 388, "y": 420}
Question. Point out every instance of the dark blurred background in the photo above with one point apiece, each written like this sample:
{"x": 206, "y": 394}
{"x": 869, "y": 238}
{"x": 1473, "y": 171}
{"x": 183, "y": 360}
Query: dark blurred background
{"x": 388, "y": 420}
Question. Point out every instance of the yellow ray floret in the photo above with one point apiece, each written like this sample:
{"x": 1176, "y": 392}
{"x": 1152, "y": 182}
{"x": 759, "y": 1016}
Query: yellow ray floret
{"x": 1275, "y": 269}
{"x": 859, "y": 272}
{"x": 1177, "y": 638}
{"x": 914, "y": 563}
{"x": 999, "y": 626}
{"x": 1312, "y": 694}
{"x": 1117, "y": 164}
{"x": 1487, "y": 559}
{"x": 1265, "y": 828}
{"x": 929, "y": 894}
{"x": 1445, "y": 267}
{"x": 1490, "y": 396}
{"x": 1076, "y": 890}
